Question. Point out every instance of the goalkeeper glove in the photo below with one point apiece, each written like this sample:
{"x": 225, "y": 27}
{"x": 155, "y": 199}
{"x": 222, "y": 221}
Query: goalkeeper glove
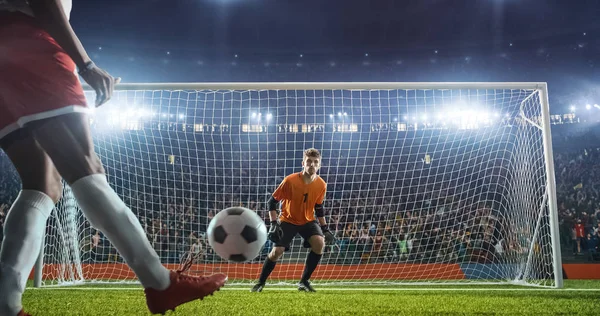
{"x": 329, "y": 237}
{"x": 275, "y": 232}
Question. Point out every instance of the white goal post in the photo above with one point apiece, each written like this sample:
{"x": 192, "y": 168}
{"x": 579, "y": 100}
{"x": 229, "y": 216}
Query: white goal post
{"x": 445, "y": 182}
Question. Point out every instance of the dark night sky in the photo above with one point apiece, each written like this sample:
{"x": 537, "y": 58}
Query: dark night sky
{"x": 408, "y": 40}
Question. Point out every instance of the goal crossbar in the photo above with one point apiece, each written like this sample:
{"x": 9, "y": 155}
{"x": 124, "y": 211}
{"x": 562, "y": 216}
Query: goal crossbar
{"x": 328, "y": 86}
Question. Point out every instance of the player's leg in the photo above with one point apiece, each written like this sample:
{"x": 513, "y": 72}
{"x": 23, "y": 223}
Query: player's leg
{"x": 67, "y": 140}
{"x": 289, "y": 232}
{"x": 311, "y": 232}
{"x": 26, "y": 220}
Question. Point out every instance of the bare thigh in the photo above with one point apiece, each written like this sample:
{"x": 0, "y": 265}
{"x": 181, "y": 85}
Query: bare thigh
{"x": 35, "y": 168}
{"x": 67, "y": 139}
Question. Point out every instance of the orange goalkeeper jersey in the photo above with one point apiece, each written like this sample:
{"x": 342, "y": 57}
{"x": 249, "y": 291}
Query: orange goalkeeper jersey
{"x": 298, "y": 199}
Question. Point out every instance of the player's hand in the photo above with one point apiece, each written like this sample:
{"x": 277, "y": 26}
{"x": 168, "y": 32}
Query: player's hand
{"x": 102, "y": 82}
{"x": 275, "y": 232}
{"x": 329, "y": 237}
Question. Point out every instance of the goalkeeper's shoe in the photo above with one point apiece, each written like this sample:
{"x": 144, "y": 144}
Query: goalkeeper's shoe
{"x": 304, "y": 286}
{"x": 258, "y": 287}
{"x": 22, "y": 313}
{"x": 184, "y": 288}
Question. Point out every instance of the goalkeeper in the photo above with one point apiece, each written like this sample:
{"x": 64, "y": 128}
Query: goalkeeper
{"x": 302, "y": 197}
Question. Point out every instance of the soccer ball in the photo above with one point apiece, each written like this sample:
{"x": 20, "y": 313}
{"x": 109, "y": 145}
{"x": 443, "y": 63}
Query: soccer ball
{"x": 237, "y": 234}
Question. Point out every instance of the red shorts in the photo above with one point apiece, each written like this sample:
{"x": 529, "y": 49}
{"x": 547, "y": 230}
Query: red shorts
{"x": 37, "y": 77}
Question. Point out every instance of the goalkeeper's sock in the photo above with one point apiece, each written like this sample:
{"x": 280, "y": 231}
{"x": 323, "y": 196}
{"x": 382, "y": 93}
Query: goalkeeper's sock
{"x": 312, "y": 260}
{"x": 23, "y": 234}
{"x": 107, "y": 212}
{"x": 266, "y": 270}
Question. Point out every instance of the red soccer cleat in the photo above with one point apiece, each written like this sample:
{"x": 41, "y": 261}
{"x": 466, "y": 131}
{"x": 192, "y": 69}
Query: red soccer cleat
{"x": 22, "y": 313}
{"x": 184, "y": 288}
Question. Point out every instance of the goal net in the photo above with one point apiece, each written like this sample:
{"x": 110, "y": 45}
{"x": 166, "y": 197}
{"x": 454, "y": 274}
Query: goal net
{"x": 427, "y": 183}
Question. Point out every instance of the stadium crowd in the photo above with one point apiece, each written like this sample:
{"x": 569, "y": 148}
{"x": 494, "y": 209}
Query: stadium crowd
{"x": 375, "y": 217}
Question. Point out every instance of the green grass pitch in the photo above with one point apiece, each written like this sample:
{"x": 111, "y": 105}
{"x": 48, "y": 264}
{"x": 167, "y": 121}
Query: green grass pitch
{"x": 577, "y": 298}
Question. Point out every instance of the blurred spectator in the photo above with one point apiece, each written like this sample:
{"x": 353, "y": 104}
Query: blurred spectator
{"x": 3, "y": 210}
{"x": 590, "y": 245}
{"x": 580, "y": 234}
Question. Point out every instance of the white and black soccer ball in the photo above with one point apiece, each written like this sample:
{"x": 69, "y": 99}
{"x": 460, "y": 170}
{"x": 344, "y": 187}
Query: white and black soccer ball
{"x": 237, "y": 234}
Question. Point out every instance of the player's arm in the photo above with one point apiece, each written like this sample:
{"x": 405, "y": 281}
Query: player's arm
{"x": 275, "y": 232}
{"x": 51, "y": 16}
{"x": 281, "y": 193}
{"x": 273, "y": 206}
{"x": 320, "y": 213}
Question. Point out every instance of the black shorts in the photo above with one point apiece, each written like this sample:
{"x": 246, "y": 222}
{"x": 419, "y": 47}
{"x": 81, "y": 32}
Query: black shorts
{"x": 290, "y": 231}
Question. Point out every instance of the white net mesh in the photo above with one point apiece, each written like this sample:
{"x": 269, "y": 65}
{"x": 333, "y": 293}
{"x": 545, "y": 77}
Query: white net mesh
{"x": 430, "y": 185}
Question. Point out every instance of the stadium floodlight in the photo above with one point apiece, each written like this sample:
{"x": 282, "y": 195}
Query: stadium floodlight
{"x": 492, "y": 217}
{"x": 253, "y": 115}
{"x": 572, "y": 108}
{"x": 269, "y": 116}
{"x": 129, "y": 113}
{"x": 484, "y": 116}
{"x": 588, "y": 106}
{"x": 455, "y": 114}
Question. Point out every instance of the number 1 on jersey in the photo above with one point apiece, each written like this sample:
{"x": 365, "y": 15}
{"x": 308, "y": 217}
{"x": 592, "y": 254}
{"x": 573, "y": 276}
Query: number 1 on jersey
{"x": 305, "y": 197}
